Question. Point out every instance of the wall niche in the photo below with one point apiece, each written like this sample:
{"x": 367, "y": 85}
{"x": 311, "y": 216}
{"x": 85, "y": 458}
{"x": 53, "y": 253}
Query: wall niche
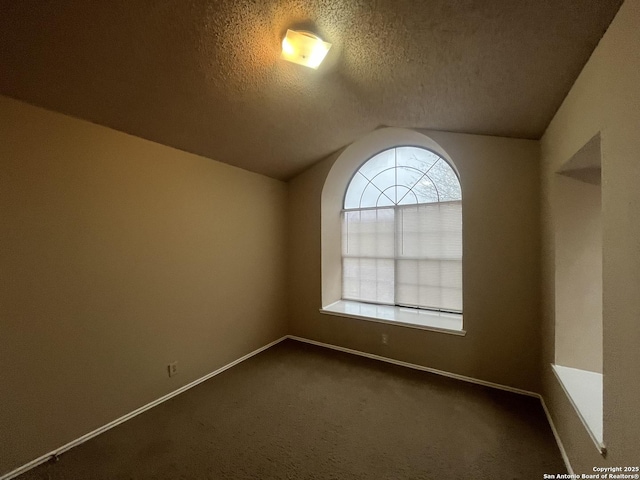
{"x": 577, "y": 206}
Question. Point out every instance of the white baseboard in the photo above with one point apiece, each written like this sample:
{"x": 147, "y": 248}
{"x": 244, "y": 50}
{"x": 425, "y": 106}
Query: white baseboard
{"x": 128, "y": 416}
{"x": 464, "y": 378}
{"x": 563, "y": 452}
{"x": 418, "y": 367}
{"x": 124, "y": 418}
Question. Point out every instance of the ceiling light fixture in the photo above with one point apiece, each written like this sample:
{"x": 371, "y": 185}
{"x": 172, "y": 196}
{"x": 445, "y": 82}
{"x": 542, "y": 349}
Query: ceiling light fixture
{"x": 304, "y": 48}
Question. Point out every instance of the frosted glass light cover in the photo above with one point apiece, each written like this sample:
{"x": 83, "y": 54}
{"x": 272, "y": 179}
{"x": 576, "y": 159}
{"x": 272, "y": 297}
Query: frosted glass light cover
{"x": 304, "y": 48}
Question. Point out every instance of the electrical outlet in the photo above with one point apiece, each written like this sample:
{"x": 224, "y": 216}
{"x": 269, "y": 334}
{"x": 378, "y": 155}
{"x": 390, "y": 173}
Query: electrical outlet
{"x": 385, "y": 339}
{"x": 173, "y": 369}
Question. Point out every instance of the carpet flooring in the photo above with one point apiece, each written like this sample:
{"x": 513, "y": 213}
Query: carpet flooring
{"x": 296, "y": 411}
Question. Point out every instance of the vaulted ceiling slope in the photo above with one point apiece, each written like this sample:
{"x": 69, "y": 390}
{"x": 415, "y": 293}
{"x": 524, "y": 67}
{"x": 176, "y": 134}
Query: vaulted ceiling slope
{"x": 205, "y": 75}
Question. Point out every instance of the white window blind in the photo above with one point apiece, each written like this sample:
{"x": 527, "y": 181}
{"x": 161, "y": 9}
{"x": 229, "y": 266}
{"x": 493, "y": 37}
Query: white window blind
{"x": 368, "y": 260}
{"x": 429, "y": 256}
{"x": 405, "y": 255}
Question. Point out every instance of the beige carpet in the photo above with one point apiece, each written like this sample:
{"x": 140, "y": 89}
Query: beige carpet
{"x": 297, "y": 411}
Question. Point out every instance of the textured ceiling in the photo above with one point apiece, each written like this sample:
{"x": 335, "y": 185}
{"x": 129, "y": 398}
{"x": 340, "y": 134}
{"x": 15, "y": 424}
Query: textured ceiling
{"x": 205, "y": 75}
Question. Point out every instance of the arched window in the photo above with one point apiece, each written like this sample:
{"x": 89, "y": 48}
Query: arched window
{"x": 402, "y": 232}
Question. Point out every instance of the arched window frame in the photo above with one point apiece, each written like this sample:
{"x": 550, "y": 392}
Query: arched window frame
{"x": 423, "y": 174}
{"x": 402, "y": 231}
{"x": 339, "y": 171}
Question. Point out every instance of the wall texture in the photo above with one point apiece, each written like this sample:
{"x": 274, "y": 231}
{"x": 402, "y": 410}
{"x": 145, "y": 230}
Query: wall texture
{"x": 578, "y": 274}
{"x": 605, "y": 99}
{"x": 500, "y": 185}
{"x": 118, "y": 256}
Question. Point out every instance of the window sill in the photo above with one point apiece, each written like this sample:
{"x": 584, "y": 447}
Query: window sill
{"x": 584, "y": 390}
{"x": 441, "y": 322}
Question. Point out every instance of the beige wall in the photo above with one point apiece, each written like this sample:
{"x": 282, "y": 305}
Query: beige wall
{"x": 578, "y": 273}
{"x": 500, "y": 186}
{"x": 605, "y": 99}
{"x": 118, "y": 256}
